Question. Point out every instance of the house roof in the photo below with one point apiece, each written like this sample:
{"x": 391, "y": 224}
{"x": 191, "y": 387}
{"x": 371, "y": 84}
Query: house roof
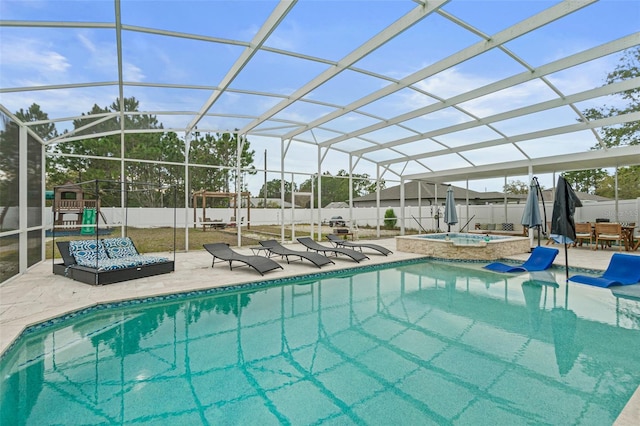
{"x": 428, "y": 192}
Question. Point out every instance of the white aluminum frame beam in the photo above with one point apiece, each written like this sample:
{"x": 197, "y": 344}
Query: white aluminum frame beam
{"x": 541, "y": 19}
{"x": 607, "y": 121}
{"x": 396, "y": 28}
{"x": 614, "y": 157}
{"x": 556, "y": 66}
{"x": 269, "y": 26}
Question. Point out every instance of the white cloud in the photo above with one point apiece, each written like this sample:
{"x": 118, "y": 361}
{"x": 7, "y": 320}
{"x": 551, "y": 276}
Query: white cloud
{"x": 451, "y": 82}
{"x": 29, "y": 54}
{"x": 87, "y": 43}
{"x": 131, "y": 72}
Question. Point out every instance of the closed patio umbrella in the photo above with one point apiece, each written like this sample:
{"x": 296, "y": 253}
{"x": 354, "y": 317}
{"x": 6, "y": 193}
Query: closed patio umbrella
{"x": 450, "y": 214}
{"x": 531, "y": 215}
{"x": 563, "y": 226}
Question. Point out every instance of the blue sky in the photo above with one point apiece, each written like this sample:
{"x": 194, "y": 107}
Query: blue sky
{"x": 320, "y": 29}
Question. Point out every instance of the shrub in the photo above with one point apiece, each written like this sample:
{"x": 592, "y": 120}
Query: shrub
{"x": 390, "y": 219}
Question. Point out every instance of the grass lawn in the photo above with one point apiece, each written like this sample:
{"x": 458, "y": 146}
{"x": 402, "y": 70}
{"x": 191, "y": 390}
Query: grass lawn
{"x": 152, "y": 240}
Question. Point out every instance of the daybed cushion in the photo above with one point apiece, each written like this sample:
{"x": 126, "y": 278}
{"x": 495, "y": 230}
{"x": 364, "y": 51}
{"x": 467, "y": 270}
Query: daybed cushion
{"x": 87, "y": 252}
{"x": 119, "y": 247}
{"x": 126, "y": 262}
{"x": 112, "y": 254}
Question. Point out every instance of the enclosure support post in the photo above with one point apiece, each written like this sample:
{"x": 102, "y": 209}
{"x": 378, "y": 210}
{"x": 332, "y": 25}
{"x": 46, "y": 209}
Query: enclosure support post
{"x": 187, "y": 147}
{"x": 402, "y": 212}
{"x": 319, "y": 234}
{"x": 378, "y": 200}
{"x": 22, "y": 200}
{"x": 282, "y": 155}
{"x": 239, "y": 146}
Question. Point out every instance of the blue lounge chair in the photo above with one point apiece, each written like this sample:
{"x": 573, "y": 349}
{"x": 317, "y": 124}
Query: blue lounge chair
{"x": 623, "y": 269}
{"x": 541, "y": 258}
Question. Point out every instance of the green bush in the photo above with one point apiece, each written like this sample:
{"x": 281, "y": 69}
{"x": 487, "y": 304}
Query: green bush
{"x": 390, "y": 219}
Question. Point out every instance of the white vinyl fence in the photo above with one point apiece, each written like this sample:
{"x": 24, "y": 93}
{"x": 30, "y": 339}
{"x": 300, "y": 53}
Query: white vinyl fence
{"x": 414, "y": 217}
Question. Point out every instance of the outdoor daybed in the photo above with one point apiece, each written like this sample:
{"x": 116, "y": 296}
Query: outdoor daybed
{"x": 107, "y": 261}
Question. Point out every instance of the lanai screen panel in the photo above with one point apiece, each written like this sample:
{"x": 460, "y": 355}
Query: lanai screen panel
{"x": 474, "y": 82}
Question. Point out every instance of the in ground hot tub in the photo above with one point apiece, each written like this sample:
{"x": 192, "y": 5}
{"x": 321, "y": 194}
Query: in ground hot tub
{"x": 463, "y": 246}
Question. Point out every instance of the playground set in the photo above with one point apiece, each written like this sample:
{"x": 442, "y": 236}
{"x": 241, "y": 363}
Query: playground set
{"x": 69, "y": 200}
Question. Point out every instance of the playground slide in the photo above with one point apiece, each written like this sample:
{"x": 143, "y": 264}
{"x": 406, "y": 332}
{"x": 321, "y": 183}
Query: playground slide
{"x": 88, "y": 222}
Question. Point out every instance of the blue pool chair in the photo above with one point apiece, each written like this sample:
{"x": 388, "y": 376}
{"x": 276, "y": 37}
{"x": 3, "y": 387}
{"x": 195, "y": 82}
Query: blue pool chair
{"x": 541, "y": 258}
{"x": 623, "y": 269}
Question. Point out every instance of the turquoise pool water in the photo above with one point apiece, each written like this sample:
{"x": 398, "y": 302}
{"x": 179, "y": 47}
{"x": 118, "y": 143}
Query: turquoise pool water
{"x": 463, "y": 239}
{"x": 415, "y": 344}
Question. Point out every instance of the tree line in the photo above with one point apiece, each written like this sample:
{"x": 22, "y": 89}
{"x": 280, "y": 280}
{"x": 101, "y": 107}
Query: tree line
{"x": 158, "y": 158}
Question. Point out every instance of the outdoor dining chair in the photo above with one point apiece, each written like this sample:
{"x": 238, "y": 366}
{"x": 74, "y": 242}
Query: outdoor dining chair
{"x": 607, "y": 232}
{"x": 584, "y": 233}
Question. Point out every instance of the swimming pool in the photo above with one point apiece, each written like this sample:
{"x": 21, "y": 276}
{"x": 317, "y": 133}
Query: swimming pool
{"x": 418, "y": 343}
{"x": 461, "y": 246}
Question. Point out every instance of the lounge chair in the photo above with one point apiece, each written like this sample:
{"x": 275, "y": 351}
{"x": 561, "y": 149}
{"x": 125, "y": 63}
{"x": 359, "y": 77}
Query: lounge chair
{"x": 223, "y": 252}
{"x": 312, "y": 245}
{"x": 541, "y": 258}
{"x": 623, "y": 269}
{"x": 339, "y": 242}
{"x": 276, "y": 248}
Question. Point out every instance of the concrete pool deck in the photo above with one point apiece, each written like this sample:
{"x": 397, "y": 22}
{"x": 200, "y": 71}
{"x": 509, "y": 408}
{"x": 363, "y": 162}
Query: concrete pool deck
{"x": 39, "y": 295}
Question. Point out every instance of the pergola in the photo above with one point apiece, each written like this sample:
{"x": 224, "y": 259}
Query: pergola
{"x": 199, "y": 201}
{"x": 400, "y": 90}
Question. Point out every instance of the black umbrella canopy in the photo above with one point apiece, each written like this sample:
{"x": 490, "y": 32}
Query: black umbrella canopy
{"x": 563, "y": 226}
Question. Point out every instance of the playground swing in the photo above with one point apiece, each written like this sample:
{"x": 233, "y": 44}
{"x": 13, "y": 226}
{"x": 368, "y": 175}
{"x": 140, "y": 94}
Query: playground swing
{"x": 70, "y": 199}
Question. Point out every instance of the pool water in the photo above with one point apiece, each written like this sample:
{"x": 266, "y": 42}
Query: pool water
{"x": 464, "y": 239}
{"x": 421, "y": 343}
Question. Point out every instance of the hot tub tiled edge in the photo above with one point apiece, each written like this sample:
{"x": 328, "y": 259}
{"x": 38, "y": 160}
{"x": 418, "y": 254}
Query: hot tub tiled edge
{"x": 491, "y": 250}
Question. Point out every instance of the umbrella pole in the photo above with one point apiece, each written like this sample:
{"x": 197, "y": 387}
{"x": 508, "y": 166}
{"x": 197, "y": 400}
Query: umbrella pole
{"x": 566, "y": 261}
{"x": 538, "y": 235}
